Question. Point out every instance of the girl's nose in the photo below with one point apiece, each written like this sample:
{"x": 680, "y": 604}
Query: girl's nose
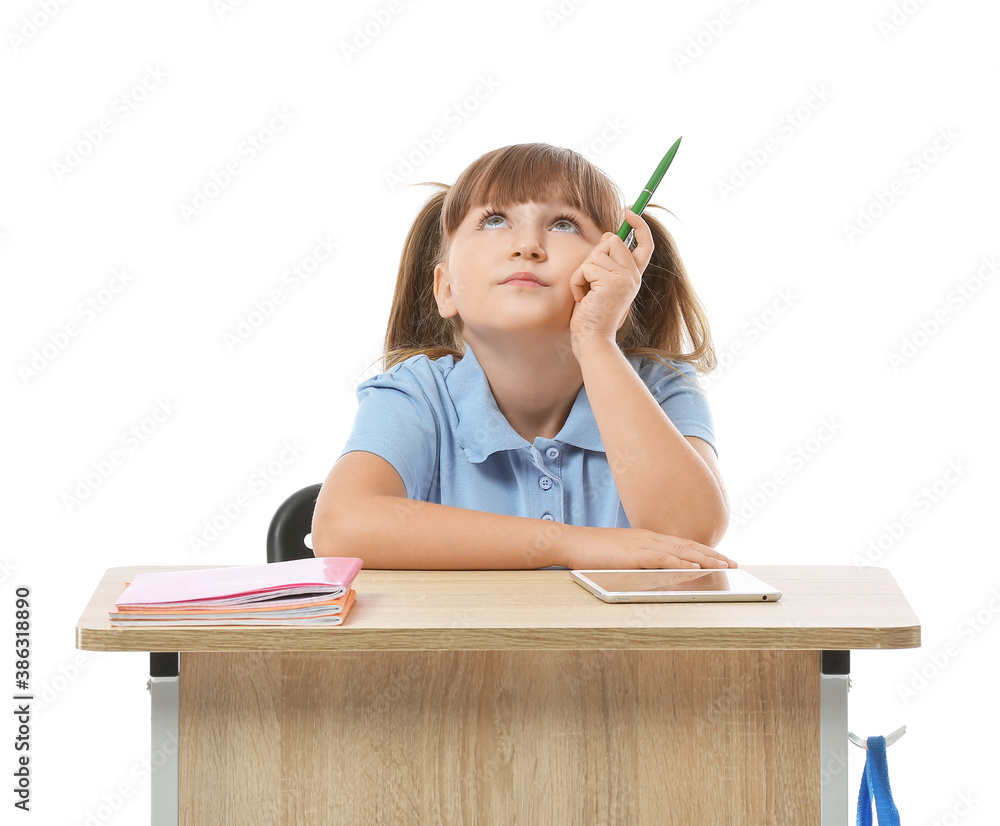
{"x": 527, "y": 245}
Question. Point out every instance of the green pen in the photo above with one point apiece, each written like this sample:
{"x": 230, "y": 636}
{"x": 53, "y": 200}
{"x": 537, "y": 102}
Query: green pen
{"x": 625, "y": 230}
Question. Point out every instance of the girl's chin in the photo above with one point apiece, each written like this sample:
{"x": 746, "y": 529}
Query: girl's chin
{"x": 553, "y": 331}
{"x": 525, "y": 312}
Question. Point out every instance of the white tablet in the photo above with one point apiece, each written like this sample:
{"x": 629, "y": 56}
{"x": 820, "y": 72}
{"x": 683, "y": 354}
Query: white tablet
{"x": 676, "y": 585}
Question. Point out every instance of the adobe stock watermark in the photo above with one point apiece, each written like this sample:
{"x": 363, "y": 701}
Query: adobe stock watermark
{"x": 922, "y": 502}
{"x": 231, "y": 509}
{"x": 121, "y": 108}
{"x": 718, "y": 708}
{"x": 399, "y": 686}
{"x": 899, "y": 15}
{"x": 537, "y": 549}
{"x": 538, "y": 552}
{"x": 640, "y": 615}
{"x": 378, "y": 21}
{"x": 940, "y": 660}
{"x": 30, "y": 26}
{"x": 288, "y": 283}
{"x": 58, "y": 685}
{"x": 224, "y": 8}
{"x": 140, "y": 773}
{"x": 580, "y": 671}
{"x": 785, "y": 128}
{"x": 131, "y": 440}
{"x": 700, "y": 41}
{"x": 913, "y": 169}
{"x": 795, "y": 460}
{"x": 558, "y": 14}
{"x": 612, "y": 129}
{"x": 369, "y": 370}
{"x": 964, "y": 806}
{"x": 85, "y": 313}
{"x": 452, "y": 119}
{"x": 751, "y": 331}
{"x": 249, "y": 149}
{"x": 955, "y": 300}
{"x": 7, "y": 569}
{"x": 494, "y": 757}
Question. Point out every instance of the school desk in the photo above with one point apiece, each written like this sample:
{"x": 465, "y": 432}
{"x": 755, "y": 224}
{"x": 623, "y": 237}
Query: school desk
{"x": 460, "y": 697}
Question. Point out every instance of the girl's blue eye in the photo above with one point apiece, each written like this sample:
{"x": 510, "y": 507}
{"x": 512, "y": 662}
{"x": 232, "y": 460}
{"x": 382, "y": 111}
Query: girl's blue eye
{"x": 488, "y": 220}
{"x": 570, "y": 225}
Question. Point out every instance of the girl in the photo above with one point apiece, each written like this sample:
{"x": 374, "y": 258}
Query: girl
{"x": 539, "y": 408}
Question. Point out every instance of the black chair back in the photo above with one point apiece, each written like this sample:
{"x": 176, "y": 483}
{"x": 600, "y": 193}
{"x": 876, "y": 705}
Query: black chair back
{"x": 290, "y": 525}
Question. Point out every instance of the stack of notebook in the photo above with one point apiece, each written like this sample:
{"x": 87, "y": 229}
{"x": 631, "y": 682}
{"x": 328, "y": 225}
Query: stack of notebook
{"x": 314, "y": 591}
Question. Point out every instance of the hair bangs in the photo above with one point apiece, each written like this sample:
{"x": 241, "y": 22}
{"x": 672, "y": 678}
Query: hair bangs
{"x": 533, "y": 172}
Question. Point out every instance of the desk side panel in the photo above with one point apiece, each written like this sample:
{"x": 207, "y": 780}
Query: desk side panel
{"x": 437, "y": 737}
{"x": 229, "y": 757}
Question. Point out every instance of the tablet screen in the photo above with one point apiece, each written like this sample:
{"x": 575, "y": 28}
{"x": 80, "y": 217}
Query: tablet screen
{"x": 639, "y": 580}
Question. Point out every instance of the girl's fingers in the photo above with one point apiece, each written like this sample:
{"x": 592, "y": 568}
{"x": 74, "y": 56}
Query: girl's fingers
{"x": 578, "y": 284}
{"x": 680, "y": 563}
{"x": 603, "y": 260}
{"x": 644, "y": 242}
{"x": 702, "y": 554}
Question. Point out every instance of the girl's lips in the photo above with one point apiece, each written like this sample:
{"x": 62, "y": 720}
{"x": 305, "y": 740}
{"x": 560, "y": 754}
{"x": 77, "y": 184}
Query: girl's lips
{"x": 524, "y": 279}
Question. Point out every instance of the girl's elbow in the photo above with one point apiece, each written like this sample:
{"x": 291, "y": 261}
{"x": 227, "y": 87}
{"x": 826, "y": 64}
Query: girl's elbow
{"x": 705, "y": 532}
{"x": 716, "y": 529}
{"x": 713, "y": 538}
{"x": 322, "y": 544}
{"x": 322, "y": 540}
{"x": 333, "y": 535}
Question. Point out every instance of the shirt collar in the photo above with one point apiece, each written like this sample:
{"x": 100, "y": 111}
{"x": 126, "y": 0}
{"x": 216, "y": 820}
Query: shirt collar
{"x": 483, "y": 430}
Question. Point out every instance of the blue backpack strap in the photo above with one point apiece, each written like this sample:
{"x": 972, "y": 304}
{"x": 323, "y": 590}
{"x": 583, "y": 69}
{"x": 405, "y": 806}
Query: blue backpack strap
{"x": 875, "y": 783}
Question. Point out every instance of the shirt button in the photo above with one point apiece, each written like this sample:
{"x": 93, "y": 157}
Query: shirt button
{"x": 545, "y": 483}
{"x": 552, "y": 452}
{"x": 549, "y": 517}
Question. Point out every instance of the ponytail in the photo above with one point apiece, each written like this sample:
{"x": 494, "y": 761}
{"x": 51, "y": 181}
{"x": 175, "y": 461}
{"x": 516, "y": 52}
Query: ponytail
{"x": 415, "y": 325}
{"x": 666, "y": 319}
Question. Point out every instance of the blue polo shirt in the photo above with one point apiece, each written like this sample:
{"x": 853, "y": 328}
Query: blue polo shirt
{"x": 437, "y": 423}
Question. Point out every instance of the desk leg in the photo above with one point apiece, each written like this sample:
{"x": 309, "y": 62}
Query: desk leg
{"x": 833, "y": 738}
{"x": 164, "y": 690}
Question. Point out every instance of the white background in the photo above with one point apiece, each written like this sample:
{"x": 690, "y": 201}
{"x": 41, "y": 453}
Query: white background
{"x": 851, "y": 429}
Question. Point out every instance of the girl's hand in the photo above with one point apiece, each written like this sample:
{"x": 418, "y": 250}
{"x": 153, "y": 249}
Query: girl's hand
{"x": 606, "y": 283}
{"x": 588, "y": 548}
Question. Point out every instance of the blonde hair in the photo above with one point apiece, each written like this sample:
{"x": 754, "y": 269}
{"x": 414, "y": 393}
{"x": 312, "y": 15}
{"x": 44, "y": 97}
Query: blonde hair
{"x": 666, "y": 319}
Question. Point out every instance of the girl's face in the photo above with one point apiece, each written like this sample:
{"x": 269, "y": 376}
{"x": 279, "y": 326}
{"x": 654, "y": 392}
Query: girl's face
{"x": 508, "y": 269}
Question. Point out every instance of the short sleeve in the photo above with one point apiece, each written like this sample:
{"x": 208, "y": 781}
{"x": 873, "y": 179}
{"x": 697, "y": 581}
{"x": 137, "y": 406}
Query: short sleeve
{"x": 397, "y": 420}
{"x": 677, "y": 391}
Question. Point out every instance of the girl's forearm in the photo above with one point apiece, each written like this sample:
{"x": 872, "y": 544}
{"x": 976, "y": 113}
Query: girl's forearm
{"x": 664, "y": 484}
{"x": 390, "y": 532}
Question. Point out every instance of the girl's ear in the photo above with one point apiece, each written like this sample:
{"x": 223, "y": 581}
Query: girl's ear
{"x": 442, "y": 292}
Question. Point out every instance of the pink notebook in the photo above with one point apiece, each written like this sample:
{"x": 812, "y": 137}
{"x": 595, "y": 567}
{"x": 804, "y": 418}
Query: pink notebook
{"x": 329, "y": 576}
